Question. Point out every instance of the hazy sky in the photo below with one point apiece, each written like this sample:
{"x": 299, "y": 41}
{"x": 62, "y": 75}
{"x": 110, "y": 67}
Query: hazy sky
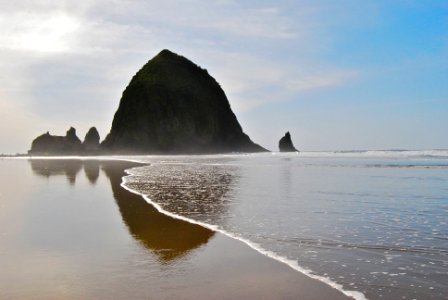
{"x": 338, "y": 75}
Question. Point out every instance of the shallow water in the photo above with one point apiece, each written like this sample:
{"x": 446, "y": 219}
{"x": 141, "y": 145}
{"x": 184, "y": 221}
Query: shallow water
{"x": 374, "y": 222}
{"x": 70, "y": 230}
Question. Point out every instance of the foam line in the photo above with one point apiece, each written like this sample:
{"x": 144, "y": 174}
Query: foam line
{"x": 291, "y": 263}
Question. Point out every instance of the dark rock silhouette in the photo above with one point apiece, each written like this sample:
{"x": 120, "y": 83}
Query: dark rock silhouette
{"x": 47, "y": 144}
{"x": 71, "y": 136}
{"x": 92, "y": 140}
{"x": 173, "y": 106}
{"x": 285, "y": 144}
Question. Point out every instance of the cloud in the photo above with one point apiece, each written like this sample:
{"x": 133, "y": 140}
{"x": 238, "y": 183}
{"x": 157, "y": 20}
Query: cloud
{"x": 66, "y": 62}
{"x": 252, "y": 81}
{"x": 204, "y": 17}
{"x": 256, "y": 23}
{"x": 44, "y": 33}
{"x": 251, "y": 95}
{"x": 320, "y": 80}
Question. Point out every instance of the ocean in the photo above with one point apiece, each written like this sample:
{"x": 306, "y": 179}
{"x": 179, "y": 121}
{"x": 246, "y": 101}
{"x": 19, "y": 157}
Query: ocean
{"x": 372, "y": 224}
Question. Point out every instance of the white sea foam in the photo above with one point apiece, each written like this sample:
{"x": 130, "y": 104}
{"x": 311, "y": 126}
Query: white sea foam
{"x": 378, "y": 154}
{"x": 291, "y": 263}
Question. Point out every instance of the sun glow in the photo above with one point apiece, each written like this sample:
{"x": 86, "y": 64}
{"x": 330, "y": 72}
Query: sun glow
{"x": 44, "y": 34}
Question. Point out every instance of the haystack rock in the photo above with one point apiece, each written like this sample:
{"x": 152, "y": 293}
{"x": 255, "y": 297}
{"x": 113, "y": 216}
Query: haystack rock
{"x": 173, "y": 106}
{"x": 285, "y": 144}
{"x": 92, "y": 140}
{"x": 47, "y": 144}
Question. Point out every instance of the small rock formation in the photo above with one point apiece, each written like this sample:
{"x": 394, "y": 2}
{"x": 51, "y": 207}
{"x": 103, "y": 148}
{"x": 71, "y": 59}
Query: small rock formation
{"x": 47, "y": 144}
{"x": 285, "y": 144}
{"x": 173, "y": 106}
{"x": 72, "y": 139}
{"x": 92, "y": 140}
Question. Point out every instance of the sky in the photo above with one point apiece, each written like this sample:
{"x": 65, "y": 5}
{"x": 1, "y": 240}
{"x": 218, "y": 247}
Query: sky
{"x": 339, "y": 75}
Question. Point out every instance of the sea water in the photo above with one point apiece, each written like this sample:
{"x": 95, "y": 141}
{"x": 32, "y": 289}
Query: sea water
{"x": 370, "y": 223}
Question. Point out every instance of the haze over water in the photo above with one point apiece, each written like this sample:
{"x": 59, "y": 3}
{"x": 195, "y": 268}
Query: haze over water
{"x": 373, "y": 222}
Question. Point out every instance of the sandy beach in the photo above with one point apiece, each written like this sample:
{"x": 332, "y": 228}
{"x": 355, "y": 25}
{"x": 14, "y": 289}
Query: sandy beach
{"x": 70, "y": 231}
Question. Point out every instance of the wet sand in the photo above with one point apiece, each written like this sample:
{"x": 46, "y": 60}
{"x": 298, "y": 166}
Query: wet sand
{"x": 68, "y": 230}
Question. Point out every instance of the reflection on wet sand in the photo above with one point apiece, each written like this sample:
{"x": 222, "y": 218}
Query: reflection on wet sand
{"x": 48, "y": 167}
{"x": 168, "y": 238}
{"x": 92, "y": 170}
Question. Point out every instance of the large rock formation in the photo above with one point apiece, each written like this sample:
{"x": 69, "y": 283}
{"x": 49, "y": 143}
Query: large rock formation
{"x": 285, "y": 144}
{"x": 173, "y": 106}
{"x": 47, "y": 144}
{"x": 92, "y": 140}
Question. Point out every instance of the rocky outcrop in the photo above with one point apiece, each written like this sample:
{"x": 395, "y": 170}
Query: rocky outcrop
{"x": 285, "y": 144}
{"x": 173, "y": 106}
{"x": 72, "y": 138}
{"x": 47, "y": 144}
{"x": 92, "y": 140}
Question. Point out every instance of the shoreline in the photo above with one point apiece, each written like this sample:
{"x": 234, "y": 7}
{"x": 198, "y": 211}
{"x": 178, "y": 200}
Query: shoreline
{"x": 313, "y": 282}
{"x": 271, "y": 255}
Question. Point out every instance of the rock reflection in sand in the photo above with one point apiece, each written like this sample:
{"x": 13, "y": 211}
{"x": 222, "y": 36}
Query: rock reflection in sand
{"x": 168, "y": 238}
{"x": 49, "y": 167}
{"x": 92, "y": 170}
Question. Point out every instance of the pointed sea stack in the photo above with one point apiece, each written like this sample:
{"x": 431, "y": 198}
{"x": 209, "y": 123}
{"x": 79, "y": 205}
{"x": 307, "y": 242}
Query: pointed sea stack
{"x": 72, "y": 139}
{"x": 173, "y": 106}
{"x": 285, "y": 144}
{"x": 92, "y": 140}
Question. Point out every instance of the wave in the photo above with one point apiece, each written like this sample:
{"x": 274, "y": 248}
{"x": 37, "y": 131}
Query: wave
{"x": 322, "y": 243}
{"x": 441, "y": 154}
{"x": 291, "y": 263}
